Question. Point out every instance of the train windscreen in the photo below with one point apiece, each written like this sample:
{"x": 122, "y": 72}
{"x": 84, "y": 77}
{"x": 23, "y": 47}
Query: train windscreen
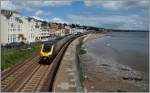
{"x": 47, "y": 48}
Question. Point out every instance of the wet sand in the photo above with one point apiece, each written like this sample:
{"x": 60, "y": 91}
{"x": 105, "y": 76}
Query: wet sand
{"x": 104, "y": 72}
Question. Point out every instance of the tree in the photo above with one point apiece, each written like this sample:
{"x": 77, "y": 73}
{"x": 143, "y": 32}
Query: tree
{"x": 44, "y": 23}
{"x": 21, "y": 36}
{"x": 65, "y": 24}
{"x": 36, "y": 38}
{"x": 73, "y": 26}
{"x": 29, "y": 19}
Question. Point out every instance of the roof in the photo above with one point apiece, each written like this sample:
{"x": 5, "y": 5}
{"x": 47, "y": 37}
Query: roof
{"x": 60, "y": 37}
{"x": 19, "y": 20}
{"x": 4, "y": 11}
{"x": 50, "y": 42}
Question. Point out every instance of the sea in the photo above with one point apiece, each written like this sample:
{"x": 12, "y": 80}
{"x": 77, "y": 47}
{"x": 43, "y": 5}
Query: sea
{"x": 128, "y": 48}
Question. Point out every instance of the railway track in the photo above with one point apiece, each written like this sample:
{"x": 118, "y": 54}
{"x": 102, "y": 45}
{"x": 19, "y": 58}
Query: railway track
{"x": 31, "y": 76}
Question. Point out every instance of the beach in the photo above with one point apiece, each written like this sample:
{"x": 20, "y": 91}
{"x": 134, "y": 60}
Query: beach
{"x": 115, "y": 62}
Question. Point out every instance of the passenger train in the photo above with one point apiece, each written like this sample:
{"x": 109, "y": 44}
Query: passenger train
{"x": 51, "y": 48}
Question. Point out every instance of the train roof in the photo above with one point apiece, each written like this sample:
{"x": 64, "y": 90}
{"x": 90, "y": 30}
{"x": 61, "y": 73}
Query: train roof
{"x": 53, "y": 41}
{"x": 60, "y": 37}
{"x": 50, "y": 42}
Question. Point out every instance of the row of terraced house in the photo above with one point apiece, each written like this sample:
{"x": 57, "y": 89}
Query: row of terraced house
{"x": 18, "y": 28}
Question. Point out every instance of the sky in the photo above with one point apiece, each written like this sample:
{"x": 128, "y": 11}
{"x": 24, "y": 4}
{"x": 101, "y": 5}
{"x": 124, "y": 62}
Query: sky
{"x": 113, "y": 14}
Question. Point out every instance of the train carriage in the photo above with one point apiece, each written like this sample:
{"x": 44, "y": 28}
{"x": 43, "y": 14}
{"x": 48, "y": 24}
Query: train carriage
{"x": 51, "y": 48}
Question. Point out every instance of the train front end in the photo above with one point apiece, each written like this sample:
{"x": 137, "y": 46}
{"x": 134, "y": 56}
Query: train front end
{"x": 46, "y": 53}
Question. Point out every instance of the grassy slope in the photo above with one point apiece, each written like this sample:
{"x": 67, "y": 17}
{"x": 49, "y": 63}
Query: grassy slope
{"x": 15, "y": 55}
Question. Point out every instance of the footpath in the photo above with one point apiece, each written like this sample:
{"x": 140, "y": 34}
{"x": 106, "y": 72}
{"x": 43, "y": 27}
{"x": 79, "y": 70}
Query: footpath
{"x": 67, "y": 78}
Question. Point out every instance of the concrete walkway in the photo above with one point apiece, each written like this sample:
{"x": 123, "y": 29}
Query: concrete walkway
{"x": 67, "y": 78}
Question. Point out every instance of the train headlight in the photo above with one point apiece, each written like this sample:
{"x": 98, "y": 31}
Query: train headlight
{"x": 45, "y": 54}
{"x": 49, "y": 53}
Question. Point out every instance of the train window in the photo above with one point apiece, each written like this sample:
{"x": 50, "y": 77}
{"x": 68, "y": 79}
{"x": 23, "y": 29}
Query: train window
{"x": 47, "y": 48}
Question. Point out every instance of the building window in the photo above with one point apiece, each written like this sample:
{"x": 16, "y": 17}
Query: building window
{"x": 11, "y": 38}
{"x": 8, "y": 39}
{"x": 11, "y": 24}
{"x": 14, "y": 38}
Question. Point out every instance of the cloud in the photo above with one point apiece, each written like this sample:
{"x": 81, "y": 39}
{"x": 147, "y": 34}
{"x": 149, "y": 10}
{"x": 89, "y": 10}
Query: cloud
{"x": 8, "y": 5}
{"x": 39, "y": 18}
{"x": 134, "y": 18}
{"x": 58, "y": 20}
{"x": 58, "y": 3}
{"x": 119, "y": 4}
{"x": 31, "y": 5}
{"x": 132, "y": 22}
{"x": 39, "y": 13}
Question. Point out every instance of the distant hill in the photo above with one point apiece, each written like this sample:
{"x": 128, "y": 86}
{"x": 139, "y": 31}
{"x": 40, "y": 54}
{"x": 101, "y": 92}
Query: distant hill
{"x": 114, "y": 30}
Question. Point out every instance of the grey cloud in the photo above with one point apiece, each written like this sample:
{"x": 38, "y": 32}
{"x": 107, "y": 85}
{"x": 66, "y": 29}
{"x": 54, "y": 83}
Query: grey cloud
{"x": 119, "y": 4}
{"x": 32, "y": 5}
{"x": 39, "y": 13}
{"x": 8, "y": 5}
{"x": 133, "y": 22}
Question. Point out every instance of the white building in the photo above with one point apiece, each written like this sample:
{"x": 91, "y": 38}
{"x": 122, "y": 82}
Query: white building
{"x": 31, "y": 30}
{"x": 11, "y": 26}
{"x": 44, "y": 33}
{"x": 17, "y": 28}
{"x": 38, "y": 30}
